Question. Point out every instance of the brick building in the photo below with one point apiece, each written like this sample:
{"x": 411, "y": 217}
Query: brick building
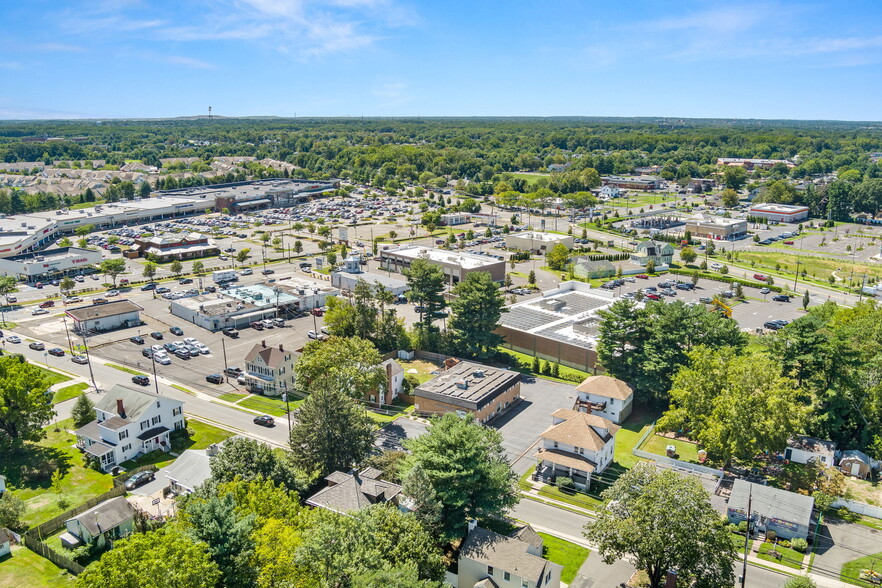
{"x": 465, "y": 387}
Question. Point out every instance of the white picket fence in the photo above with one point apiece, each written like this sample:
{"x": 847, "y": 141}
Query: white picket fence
{"x": 859, "y": 508}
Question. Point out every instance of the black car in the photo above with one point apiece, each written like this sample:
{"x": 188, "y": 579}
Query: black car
{"x": 232, "y": 333}
{"x": 185, "y": 281}
{"x": 267, "y": 272}
{"x": 684, "y": 286}
{"x": 146, "y": 287}
{"x": 264, "y": 420}
{"x": 176, "y": 331}
{"x": 775, "y": 325}
{"x": 781, "y": 298}
{"x": 147, "y": 352}
{"x": 137, "y": 339}
{"x": 57, "y": 352}
{"x": 157, "y": 335}
{"x": 138, "y": 479}
{"x": 182, "y": 354}
{"x": 141, "y": 380}
{"x": 214, "y": 379}
{"x": 37, "y": 346}
{"x": 170, "y": 347}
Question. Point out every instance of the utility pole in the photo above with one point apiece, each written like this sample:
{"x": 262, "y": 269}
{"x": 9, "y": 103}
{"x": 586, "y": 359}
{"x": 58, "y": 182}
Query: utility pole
{"x": 224, "y": 347}
{"x": 155, "y": 381}
{"x": 89, "y": 362}
{"x": 746, "y": 539}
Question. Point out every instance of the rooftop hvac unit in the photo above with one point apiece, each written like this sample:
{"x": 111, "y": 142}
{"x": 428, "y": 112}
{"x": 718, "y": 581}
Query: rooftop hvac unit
{"x": 462, "y": 384}
{"x": 478, "y": 373}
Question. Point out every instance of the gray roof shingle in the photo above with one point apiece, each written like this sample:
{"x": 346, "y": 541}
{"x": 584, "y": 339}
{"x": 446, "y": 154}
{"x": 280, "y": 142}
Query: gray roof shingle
{"x": 505, "y": 553}
{"x": 105, "y": 516}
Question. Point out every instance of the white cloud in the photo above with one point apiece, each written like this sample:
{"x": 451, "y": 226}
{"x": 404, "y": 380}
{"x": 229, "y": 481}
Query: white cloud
{"x": 188, "y": 62}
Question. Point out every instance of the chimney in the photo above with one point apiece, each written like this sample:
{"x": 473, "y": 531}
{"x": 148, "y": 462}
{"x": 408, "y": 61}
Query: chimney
{"x": 281, "y": 348}
{"x": 263, "y": 344}
{"x": 472, "y": 524}
{"x": 120, "y": 409}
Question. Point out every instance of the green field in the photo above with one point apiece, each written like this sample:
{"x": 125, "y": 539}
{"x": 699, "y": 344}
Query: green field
{"x": 789, "y": 557}
{"x": 52, "y": 377}
{"x": 818, "y": 268}
{"x": 531, "y": 179}
{"x": 565, "y": 553}
{"x": 271, "y": 406}
{"x": 628, "y": 436}
{"x": 69, "y": 392}
{"x": 685, "y": 451}
{"x": 26, "y": 568}
{"x": 850, "y": 572}
{"x": 30, "y": 472}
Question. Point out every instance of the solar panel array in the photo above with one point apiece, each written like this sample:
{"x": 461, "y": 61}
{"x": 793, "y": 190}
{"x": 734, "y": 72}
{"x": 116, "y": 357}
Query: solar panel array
{"x": 527, "y": 318}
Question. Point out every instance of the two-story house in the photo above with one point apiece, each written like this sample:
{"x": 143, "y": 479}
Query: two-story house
{"x": 356, "y": 490}
{"x": 605, "y": 396}
{"x": 270, "y": 370}
{"x": 577, "y": 445}
{"x": 392, "y": 388}
{"x": 128, "y": 423}
{"x": 490, "y": 560}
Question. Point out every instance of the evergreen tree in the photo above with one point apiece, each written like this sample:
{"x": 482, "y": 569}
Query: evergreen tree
{"x": 83, "y": 411}
{"x": 477, "y": 308}
{"x": 426, "y": 507}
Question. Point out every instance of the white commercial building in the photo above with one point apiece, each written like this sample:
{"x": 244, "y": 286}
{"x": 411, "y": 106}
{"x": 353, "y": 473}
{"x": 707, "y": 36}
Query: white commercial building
{"x": 455, "y": 218}
{"x": 50, "y": 263}
{"x": 99, "y": 318}
{"x": 348, "y": 276}
{"x": 455, "y": 265}
{"x": 782, "y": 213}
{"x": 537, "y": 242}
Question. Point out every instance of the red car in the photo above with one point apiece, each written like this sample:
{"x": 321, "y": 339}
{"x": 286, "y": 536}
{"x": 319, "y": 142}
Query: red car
{"x": 317, "y": 311}
{"x": 47, "y": 304}
{"x": 642, "y": 276}
{"x": 653, "y": 296}
{"x": 788, "y": 242}
{"x": 759, "y": 277}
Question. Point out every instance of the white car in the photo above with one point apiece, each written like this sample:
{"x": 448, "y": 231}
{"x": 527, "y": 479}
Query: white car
{"x": 162, "y": 359}
{"x": 112, "y": 293}
{"x": 79, "y": 279}
{"x": 191, "y": 340}
{"x": 312, "y": 335}
{"x": 246, "y": 272}
{"x": 203, "y": 349}
{"x": 72, "y": 299}
{"x": 13, "y": 339}
{"x": 630, "y": 279}
{"x": 39, "y": 311}
{"x": 717, "y": 266}
{"x": 157, "y": 348}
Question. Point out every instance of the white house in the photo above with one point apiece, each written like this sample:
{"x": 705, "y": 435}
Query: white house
{"x": 806, "y": 449}
{"x": 610, "y": 192}
{"x": 112, "y": 519}
{"x": 2, "y": 484}
{"x": 576, "y": 445}
{"x": 189, "y": 471}
{"x": 394, "y": 383}
{"x": 5, "y": 540}
{"x": 606, "y": 397}
{"x": 491, "y": 560}
{"x": 130, "y": 422}
{"x": 270, "y": 370}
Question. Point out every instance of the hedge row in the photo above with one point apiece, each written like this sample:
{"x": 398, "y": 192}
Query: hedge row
{"x": 725, "y": 278}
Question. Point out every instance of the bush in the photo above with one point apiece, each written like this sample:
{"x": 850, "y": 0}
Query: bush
{"x": 742, "y": 527}
{"x": 566, "y": 485}
{"x": 732, "y": 528}
{"x": 799, "y": 544}
{"x": 784, "y": 543}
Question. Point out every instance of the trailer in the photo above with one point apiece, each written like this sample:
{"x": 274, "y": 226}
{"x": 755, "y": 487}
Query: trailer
{"x": 223, "y": 276}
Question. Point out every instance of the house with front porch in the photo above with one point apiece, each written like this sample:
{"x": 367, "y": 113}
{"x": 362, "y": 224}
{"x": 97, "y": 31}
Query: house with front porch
{"x": 270, "y": 370}
{"x": 128, "y": 423}
{"x": 577, "y": 445}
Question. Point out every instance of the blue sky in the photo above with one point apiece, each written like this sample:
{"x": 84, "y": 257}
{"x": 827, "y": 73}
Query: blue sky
{"x": 157, "y": 58}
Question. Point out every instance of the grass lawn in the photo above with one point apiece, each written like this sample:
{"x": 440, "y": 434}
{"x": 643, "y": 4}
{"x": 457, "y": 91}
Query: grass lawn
{"x": 633, "y": 428}
{"x": 230, "y": 397}
{"x": 69, "y": 392}
{"x": 529, "y": 178}
{"x": 565, "y": 553}
{"x": 789, "y": 557}
{"x": 685, "y": 451}
{"x": 818, "y": 268}
{"x": 590, "y": 501}
{"x": 26, "y": 568}
{"x": 52, "y": 378}
{"x": 850, "y": 571}
{"x": 203, "y": 436}
{"x": 30, "y": 472}
{"x": 125, "y": 369}
{"x": 737, "y": 542}
{"x": 423, "y": 369}
{"x": 271, "y": 406}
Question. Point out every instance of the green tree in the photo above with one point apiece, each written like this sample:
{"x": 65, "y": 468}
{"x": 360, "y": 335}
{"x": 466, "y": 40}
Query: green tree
{"x": 693, "y": 540}
{"x": 650, "y": 266}
{"x": 800, "y": 582}
{"x": 83, "y": 411}
{"x": 217, "y": 521}
{"x": 350, "y": 364}
{"x": 242, "y": 255}
{"x": 66, "y": 285}
{"x": 84, "y": 230}
{"x": 248, "y": 459}
{"x": 531, "y": 278}
{"x": 113, "y": 267}
{"x": 150, "y": 269}
{"x": 426, "y": 284}
{"x": 24, "y": 409}
{"x": 730, "y": 198}
{"x": 476, "y": 309}
{"x": 331, "y": 432}
{"x": 176, "y": 267}
{"x": 8, "y": 285}
{"x": 805, "y": 300}
{"x": 558, "y": 257}
{"x": 426, "y": 506}
{"x": 736, "y": 406}
{"x": 198, "y": 268}
{"x": 688, "y": 255}
{"x": 298, "y": 247}
{"x": 12, "y": 509}
{"x": 157, "y": 559}
{"x": 275, "y": 543}
{"x": 734, "y": 177}
{"x": 468, "y": 470}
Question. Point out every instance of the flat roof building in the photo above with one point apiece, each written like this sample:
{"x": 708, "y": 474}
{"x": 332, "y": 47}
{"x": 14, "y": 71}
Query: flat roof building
{"x": 99, "y": 318}
{"x": 560, "y": 327}
{"x": 707, "y": 226}
{"x": 537, "y": 242}
{"x": 782, "y": 213}
{"x": 465, "y": 387}
{"x": 455, "y": 265}
{"x": 49, "y": 263}
{"x": 348, "y": 276}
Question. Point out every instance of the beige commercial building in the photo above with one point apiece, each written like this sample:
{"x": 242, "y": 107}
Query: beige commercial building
{"x": 537, "y": 242}
{"x": 455, "y": 265}
{"x": 466, "y": 387}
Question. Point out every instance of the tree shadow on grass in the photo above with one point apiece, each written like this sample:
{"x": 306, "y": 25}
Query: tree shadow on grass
{"x": 32, "y": 466}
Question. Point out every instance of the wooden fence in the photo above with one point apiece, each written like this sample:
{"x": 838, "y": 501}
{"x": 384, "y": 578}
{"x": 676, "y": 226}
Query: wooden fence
{"x": 47, "y": 552}
{"x": 56, "y": 523}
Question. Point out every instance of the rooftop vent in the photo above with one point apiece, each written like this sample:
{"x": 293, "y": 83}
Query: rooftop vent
{"x": 552, "y": 304}
{"x": 462, "y": 384}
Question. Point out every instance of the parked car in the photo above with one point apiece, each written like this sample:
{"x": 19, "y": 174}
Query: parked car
{"x": 233, "y": 371}
{"x": 264, "y": 420}
{"x": 162, "y": 359}
{"x": 652, "y": 296}
{"x": 214, "y": 379}
{"x": 139, "y": 479}
{"x": 705, "y": 299}
{"x": 141, "y": 380}
{"x": 685, "y": 286}
{"x": 232, "y": 333}
{"x": 775, "y": 324}
{"x": 176, "y": 331}
{"x": 57, "y": 352}
{"x": 257, "y": 325}
{"x": 81, "y": 359}
{"x": 157, "y": 335}
{"x": 137, "y": 339}
{"x": 317, "y": 311}
{"x": 781, "y": 298}
{"x": 312, "y": 335}
{"x": 182, "y": 353}
{"x": 765, "y": 291}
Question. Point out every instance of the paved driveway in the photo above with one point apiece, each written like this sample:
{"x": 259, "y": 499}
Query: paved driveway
{"x": 840, "y": 542}
{"x": 522, "y": 425}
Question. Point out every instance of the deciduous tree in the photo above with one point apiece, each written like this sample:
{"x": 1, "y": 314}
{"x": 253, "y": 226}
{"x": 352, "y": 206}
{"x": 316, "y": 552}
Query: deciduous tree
{"x": 113, "y": 267}
{"x": 24, "y": 406}
{"x": 248, "y": 459}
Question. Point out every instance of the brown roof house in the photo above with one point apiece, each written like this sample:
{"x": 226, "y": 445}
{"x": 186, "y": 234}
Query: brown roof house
{"x": 354, "y": 491}
{"x": 857, "y": 463}
{"x": 577, "y": 445}
{"x": 270, "y": 370}
{"x": 606, "y": 397}
{"x": 491, "y": 560}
